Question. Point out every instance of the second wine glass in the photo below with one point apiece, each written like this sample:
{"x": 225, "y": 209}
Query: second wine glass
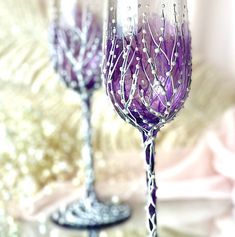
{"x": 147, "y": 71}
{"x": 75, "y": 40}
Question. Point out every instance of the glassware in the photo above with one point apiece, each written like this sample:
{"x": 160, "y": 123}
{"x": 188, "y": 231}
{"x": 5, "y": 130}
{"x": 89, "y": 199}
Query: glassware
{"x": 147, "y": 71}
{"x": 75, "y": 40}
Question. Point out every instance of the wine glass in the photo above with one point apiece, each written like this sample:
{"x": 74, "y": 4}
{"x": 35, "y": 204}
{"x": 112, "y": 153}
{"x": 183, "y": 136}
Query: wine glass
{"x": 76, "y": 42}
{"x": 147, "y": 71}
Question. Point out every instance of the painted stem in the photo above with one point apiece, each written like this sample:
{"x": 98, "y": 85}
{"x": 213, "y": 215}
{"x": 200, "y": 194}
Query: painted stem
{"x": 93, "y": 233}
{"x": 87, "y": 150}
{"x": 149, "y": 146}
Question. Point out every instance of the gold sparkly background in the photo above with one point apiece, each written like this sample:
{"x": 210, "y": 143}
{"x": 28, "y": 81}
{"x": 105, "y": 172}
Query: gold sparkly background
{"x": 39, "y": 118}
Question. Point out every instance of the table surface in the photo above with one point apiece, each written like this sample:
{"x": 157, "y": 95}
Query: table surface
{"x": 191, "y": 218}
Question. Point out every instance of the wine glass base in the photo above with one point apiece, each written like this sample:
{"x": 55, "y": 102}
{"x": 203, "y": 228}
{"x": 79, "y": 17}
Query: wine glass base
{"x": 86, "y": 215}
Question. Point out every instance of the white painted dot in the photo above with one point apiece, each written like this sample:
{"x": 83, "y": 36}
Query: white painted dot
{"x": 150, "y": 60}
{"x": 90, "y": 73}
{"x": 145, "y": 50}
{"x": 157, "y": 50}
{"x": 168, "y": 74}
{"x": 161, "y": 39}
{"x": 73, "y": 84}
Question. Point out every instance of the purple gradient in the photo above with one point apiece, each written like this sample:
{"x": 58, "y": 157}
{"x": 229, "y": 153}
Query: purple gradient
{"x": 83, "y": 43}
{"x": 176, "y": 46}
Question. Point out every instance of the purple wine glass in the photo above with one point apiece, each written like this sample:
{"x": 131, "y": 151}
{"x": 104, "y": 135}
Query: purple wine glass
{"x": 76, "y": 43}
{"x": 147, "y": 71}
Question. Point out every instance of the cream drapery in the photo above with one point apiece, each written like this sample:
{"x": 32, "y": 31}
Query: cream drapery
{"x": 213, "y": 29}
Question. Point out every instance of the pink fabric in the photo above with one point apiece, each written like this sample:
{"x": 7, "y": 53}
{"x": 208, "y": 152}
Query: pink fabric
{"x": 205, "y": 171}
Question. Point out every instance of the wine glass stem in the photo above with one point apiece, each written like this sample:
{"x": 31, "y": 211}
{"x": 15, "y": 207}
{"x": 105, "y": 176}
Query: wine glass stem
{"x": 149, "y": 146}
{"x": 87, "y": 150}
{"x": 93, "y": 233}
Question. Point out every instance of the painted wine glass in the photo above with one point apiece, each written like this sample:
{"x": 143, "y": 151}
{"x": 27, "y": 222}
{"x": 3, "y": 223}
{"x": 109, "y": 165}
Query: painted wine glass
{"x": 147, "y": 71}
{"x": 75, "y": 42}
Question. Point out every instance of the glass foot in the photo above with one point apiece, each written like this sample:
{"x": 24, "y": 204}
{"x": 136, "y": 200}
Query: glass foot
{"x": 91, "y": 215}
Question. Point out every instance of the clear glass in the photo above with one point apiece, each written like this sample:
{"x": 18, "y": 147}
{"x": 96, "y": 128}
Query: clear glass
{"x": 76, "y": 43}
{"x": 147, "y": 70}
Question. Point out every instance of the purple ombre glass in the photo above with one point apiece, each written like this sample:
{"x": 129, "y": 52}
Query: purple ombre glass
{"x": 76, "y": 47}
{"x": 147, "y": 70}
{"x": 76, "y": 42}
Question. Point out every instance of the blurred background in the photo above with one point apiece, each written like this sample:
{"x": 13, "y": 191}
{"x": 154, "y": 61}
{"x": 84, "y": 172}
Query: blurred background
{"x": 213, "y": 32}
{"x": 40, "y": 140}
